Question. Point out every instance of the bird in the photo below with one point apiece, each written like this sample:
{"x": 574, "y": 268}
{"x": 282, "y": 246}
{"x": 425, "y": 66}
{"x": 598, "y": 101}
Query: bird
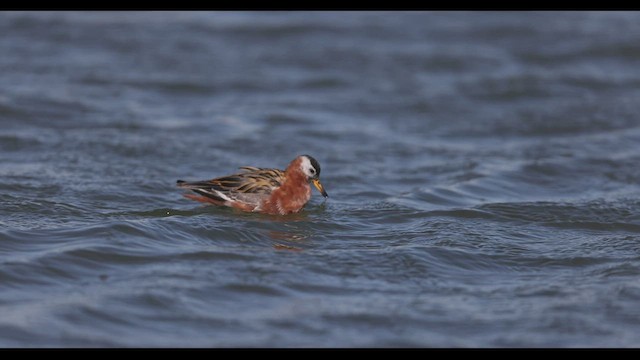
{"x": 261, "y": 190}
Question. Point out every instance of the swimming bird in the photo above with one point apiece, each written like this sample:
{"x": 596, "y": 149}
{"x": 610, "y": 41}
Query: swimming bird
{"x": 263, "y": 190}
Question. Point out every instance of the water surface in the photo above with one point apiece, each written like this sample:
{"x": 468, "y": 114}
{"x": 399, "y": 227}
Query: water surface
{"x": 482, "y": 167}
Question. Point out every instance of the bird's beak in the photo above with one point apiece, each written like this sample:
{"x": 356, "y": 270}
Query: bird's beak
{"x": 316, "y": 183}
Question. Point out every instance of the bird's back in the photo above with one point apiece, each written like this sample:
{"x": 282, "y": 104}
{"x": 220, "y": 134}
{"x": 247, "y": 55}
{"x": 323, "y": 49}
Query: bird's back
{"x": 251, "y": 186}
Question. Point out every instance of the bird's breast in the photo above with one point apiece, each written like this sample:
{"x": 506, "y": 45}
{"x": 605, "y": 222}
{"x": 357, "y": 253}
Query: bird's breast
{"x": 288, "y": 198}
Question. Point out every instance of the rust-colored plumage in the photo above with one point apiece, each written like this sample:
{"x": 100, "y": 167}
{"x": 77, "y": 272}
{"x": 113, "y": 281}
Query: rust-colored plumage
{"x": 269, "y": 191}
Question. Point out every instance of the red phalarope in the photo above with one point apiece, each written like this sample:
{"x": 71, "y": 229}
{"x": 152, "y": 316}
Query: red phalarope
{"x": 263, "y": 190}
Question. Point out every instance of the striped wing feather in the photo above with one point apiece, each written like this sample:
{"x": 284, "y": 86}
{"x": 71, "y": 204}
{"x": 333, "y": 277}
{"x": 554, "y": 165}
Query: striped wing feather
{"x": 253, "y": 182}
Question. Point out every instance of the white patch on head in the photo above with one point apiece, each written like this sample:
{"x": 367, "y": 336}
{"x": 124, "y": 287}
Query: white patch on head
{"x": 307, "y": 168}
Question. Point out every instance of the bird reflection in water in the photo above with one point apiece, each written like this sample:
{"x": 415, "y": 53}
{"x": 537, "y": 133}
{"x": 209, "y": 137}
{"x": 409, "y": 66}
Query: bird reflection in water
{"x": 293, "y": 234}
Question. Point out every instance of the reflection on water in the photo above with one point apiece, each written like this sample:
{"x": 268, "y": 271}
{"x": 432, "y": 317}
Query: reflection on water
{"x": 286, "y": 247}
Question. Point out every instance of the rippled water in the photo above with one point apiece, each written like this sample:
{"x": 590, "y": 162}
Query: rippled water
{"x": 482, "y": 167}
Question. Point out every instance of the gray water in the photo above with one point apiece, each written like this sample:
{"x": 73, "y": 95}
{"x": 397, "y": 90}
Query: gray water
{"x": 483, "y": 172}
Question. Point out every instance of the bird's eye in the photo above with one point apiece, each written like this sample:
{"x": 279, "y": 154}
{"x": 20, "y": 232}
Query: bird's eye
{"x": 312, "y": 171}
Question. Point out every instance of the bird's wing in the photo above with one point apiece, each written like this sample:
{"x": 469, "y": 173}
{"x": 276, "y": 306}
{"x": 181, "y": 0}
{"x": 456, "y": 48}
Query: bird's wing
{"x": 245, "y": 186}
